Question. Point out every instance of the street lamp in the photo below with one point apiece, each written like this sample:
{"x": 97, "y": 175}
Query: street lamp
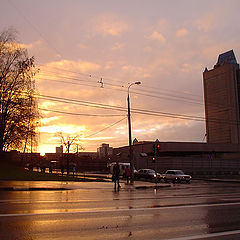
{"x": 130, "y": 134}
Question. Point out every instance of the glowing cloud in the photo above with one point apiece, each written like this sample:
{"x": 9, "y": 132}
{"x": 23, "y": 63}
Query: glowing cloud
{"x": 30, "y": 46}
{"x": 110, "y": 24}
{"x": 82, "y": 66}
{"x": 181, "y": 32}
{"x": 48, "y": 120}
{"x": 118, "y": 46}
{"x": 68, "y": 129}
{"x": 158, "y": 36}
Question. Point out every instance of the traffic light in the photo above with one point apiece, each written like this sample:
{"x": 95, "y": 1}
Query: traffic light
{"x": 153, "y": 160}
{"x": 154, "y": 149}
{"x": 158, "y": 148}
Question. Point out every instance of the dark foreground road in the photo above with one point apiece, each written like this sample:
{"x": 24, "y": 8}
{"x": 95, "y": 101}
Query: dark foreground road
{"x": 200, "y": 210}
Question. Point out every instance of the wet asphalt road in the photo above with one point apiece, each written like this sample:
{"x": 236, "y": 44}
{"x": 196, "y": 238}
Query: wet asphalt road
{"x": 200, "y": 210}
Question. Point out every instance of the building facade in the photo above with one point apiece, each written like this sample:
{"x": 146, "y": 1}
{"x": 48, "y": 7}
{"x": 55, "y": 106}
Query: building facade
{"x": 222, "y": 96}
{"x": 192, "y": 157}
{"x": 105, "y": 151}
{"x": 59, "y": 149}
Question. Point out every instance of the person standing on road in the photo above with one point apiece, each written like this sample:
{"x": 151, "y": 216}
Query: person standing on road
{"x": 73, "y": 170}
{"x": 127, "y": 174}
{"x": 62, "y": 170}
{"x": 116, "y": 173}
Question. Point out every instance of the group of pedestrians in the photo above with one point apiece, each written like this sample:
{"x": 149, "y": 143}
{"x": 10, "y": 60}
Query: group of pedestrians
{"x": 73, "y": 170}
{"x": 116, "y": 174}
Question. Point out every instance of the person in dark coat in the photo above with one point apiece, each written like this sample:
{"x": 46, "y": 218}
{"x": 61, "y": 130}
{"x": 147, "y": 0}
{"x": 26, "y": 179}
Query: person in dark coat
{"x": 62, "y": 170}
{"x": 127, "y": 173}
{"x": 116, "y": 173}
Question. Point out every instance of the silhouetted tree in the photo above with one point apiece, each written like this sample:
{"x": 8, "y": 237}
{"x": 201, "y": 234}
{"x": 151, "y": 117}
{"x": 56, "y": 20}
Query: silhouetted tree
{"x": 67, "y": 142}
{"x": 18, "y": 106}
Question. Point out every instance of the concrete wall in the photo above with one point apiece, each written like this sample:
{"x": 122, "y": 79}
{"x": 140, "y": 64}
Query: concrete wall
{"x": 193, "y": 158}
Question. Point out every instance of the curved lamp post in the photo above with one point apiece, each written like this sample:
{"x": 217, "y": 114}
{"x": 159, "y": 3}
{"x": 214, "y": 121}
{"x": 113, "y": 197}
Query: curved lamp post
{"x": 130, "y": 134}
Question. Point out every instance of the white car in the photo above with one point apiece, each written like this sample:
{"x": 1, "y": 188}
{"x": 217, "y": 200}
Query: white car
{"x": 176, "y": 176}
{"x": 122, "y": 167}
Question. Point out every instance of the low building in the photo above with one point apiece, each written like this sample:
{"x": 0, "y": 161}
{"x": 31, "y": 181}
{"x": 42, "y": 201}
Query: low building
{"x": 83, "y": 161}
{"x": 192, "y": 157}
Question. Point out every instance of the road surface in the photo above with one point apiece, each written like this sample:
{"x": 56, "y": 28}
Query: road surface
{"x": 200, "y": 210}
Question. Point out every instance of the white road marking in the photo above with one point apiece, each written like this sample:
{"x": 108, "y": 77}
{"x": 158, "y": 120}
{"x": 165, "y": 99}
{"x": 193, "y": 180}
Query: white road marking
{"x": 232, "y": 199}
{"x": 207, "y": 235}
{"x": 120, "y": 210}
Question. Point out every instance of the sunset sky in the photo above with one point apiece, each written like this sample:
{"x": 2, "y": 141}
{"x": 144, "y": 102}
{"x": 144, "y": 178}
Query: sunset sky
{"x": 89, "y": 51}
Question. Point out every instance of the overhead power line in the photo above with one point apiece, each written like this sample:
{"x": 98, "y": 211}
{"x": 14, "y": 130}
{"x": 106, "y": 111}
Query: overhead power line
{"x": 105, "y": 128}
{"x": 80, "y": 114}
{"x": 106, "y": 79}
{"x": 143, "y": 92}
{"x": 134, "y": 110}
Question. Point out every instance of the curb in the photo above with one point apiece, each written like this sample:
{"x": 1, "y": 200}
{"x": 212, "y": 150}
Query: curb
{"x": 32, "y": 189}
{"x": 153, "y": 187}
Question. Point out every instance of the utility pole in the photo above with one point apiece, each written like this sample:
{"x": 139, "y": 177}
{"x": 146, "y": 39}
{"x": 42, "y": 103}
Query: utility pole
{"x": 130, "y": 143}
{"x": 130, "y": 135}
{"x": 68, "y": 148}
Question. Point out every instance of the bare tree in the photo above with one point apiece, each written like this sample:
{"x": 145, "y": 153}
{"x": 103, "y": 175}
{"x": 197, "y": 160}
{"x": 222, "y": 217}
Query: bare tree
{"x": 18, "y": 106}
{"x": 67, "y": 142}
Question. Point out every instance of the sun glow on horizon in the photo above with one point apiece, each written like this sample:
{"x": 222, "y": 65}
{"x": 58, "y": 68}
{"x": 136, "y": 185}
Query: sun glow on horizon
{"x": 68, "y": 129}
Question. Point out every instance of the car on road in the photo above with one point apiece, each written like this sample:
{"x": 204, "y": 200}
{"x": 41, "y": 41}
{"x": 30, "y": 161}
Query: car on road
{"x": 176, "y": 176}
{"x": 148, "y": 174}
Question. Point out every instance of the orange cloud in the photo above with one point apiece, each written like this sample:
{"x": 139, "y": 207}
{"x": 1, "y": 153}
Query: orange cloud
{"x": 67, "y": 129}
{"x": 162, "y": 24}
{"x": 110, "y": 24}
{"x": 158, "y": 36}
{"x": 49, "y": 119}
{"x": 82, "y": 66}
{"x": 82, "y": 46}
{"x": 181, "y": 32}
{"x": 30, "y": 46}
{"x": 213, "y": 18}
{"x": 117, "y": 46}
{"x": 135, "y": 71}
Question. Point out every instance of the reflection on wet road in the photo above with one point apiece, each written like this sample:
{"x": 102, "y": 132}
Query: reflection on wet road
{"x": 200, "y": 210}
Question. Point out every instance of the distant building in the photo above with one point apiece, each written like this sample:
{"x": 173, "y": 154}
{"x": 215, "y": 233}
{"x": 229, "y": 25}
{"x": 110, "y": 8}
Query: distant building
{"x": 59, "y": 149}
{"x": 83, "y": 161}
{"x": 135, "y": 141}
{"x": 105, "y": 151}
{"x": 222, "y": 100}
